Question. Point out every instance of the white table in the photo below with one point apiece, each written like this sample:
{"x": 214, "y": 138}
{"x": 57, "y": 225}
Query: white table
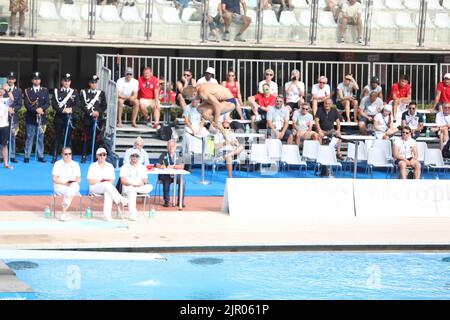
{"x": 173, "y": 172}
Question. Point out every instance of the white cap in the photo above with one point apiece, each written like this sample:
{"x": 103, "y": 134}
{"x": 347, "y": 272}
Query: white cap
{"x": 101, "y": 150}
{"x": 447, "y": 75}
{"x": 135, "y": 151}
{"x": 387, "y": 107}
{"x": 210, "y": 70}
{"x": 128, "y": 70}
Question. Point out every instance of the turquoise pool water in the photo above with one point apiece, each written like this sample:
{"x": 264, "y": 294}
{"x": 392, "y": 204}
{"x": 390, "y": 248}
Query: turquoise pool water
{"x": 296, "y": 275}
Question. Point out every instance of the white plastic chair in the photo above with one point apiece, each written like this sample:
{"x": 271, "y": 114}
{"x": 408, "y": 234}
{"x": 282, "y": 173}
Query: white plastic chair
{"x": 428, "y": 24}
{"x": 187, "y": 14}
{"x": 362, "y": 153}
{"x": 422, "y": 147}
{"x": 252, "y": 15}
{"x": 287, "y": 18}
{"x": 326, "y": 19}
{"x": 434, "y": 160}
{"x": 258, "y": 155}
{"x": 155, "y": 16}
{"x": 383, "y": 20}
{"x": 170, "y": 15}
{"x": 85, "y": 12}
{"x": 69, "y": 12}
{"x": 110, "y": 14}
{"x": 326, "y": 156}
{"x": 47, "y": 10}
{"x": 270, "y": 18}
{"x": 403, "y": 20}
{"x": 394, "y": 4}
{"x": 300, "y": 4}
{"x": 322, "y": 4}
{"x": 274, "y": 149}
{"x": 305, "y": 18}
{"x": 53, "y": 205}
{"x": 290, "y": 155}
{"x": 131, "y": 14}
{"x": 412, "y": 4}
{"x": 384, "y": 145}
{"x": 441, "y": 20}
{"x": 376, "y": 158}
{"x": 378, "y": 4}
{"x": 310, "y": 150}
{"x": 434, "y": 5}
{"x": 446, "y": 4}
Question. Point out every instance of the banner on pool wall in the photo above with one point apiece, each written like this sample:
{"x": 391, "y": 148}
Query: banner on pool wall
{"x": 305, "y": 197}
{"x": 402, "y": 198}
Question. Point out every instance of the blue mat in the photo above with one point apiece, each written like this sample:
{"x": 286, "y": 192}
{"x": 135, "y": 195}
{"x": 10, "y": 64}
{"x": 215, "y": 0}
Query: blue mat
{"x": 35, "y": 178}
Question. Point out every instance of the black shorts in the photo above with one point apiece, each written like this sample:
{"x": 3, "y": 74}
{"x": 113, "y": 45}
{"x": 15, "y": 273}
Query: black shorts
{"x": 339, "y": 106}
{"x": 293, "y": 105}
{"x": 128, "y": 103}
{"x": 398, "y": 161}
{"x": 261, "y": 124}
{"x": 365, "y": 120}
{"x": 4, "y": 135}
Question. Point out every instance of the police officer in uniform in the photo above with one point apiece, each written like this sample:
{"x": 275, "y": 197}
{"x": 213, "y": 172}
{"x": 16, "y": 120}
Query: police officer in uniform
{"x": 17, "y": 94}
{"x": 65, "y": 102}
{"x": 37, "y": 101}
{"x": 93, "y": 105}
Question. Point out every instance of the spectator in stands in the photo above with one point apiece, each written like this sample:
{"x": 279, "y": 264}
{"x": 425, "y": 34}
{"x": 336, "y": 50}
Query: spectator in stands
{"x": 127, "y": 92}
{"x": 350, "y": 14}
{"x": 149, "y": 97}
{"x": 325, "y": 119}
{"x": 269, "y": 74}
{"x": 373, "y": 86}
{"x": 443, "y": 124}
{"x": 171, "y": 160}
{"x": 101, "y": 178}
{"x": 66, "y": 180}
{"x": 370, "y": 106}
{"x": 335, "y": 7}
{"x": 231, "y": 10}
{"x": 400, "y": 96}
{"x": 17, "y": 105}
{"x": 442, "y": 93}
{"x": 260, "y": 104}
{"x": 302, "y": 122}
{"x": 413, "y": 120}
{"x": 295, "y": 91}
{"x": 346, "y": 98}
{"x": 226, "y": 151}
{"x": 278, "y": 121}
{"x": 320, "y": 92}
{"x": 383, "y": 123}
{"x": 208, "y": 76}
{"x": 194, "y": 125}
{"x": 137, "y": 145}
{"x": 169, "y": 95}
{"x": 215, "y": 20}
{"x": 6, "y": 112}
{"x": 17, "y": 7}
{"x": 406, "y": 153}
{"x": 134, "y": 177}
{"x": 233, "y": 85}
{"x": 187, "y": 80}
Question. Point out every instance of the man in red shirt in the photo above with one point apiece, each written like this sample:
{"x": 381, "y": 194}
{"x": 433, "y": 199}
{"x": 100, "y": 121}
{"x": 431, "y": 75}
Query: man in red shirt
{"x": 260, "y": 104}
{"x": 400, "y": 96}
{"x": 442, "y": 93}
{"x": 149, "y": 96}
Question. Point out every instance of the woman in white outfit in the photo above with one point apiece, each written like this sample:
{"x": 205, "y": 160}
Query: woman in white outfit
{"x": 195, "y": 125}
{"x": 66, "y": 180}
{"x": 101, "y": 178}
{"x": 133, "y": 177}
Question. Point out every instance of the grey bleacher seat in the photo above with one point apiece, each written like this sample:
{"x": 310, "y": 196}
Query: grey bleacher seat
{"x": 110, "y": 14}
{"x": 442, "y": 20}
{"x": 170, "y": 16}
{"x": 403, "y": 21}
{"x": 446, "y": 4}
{"x": 301, "y": 4}
{"x": 47, "y": 11}
{"x": 85, "y": 12}
{"x": 394, "y": 4}
{"x": 155, "y": 15}
{"x": 270, "y": 18}
{"x": 304, "y": 18}
{"x": 187, "y": 15}
{"x": 379, "y": 4}
{"x": 69, "y": 12}
{"x": 287, "y": 18}
{"x": 130, "y": 14}
{"x": 412, "y": 4}
{"x": 326, "y": 19}
{"x": 433, "y": 5}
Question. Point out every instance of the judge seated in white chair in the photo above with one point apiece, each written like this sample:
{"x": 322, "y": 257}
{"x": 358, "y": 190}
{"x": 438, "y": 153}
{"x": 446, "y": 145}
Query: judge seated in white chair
{"x": 133, "y": 176}
{"x": 66, "y": 180}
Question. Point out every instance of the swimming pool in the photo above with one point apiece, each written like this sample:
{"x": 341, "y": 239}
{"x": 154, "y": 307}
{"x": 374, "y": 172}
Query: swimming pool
{"x": 286, "y": 275}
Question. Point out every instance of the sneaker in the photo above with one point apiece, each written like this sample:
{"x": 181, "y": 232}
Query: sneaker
{"x": 13, "y": 160}
{"x": 21, "y": 34}
{"x": 239, "y": 38}
{"x": 149, "y": 123}
{"x": 12, "y": 33}
{"x": 226, "y": 36}
{"x": 156, "y": 125}
{"x": 42, "y": 160}
{"x": 26, "y": 160}
{"x": 360, "y": 41}
{"x": 65, "y": 217}
{"x": 342, "y": 40}
{"x": 166, "y": 204}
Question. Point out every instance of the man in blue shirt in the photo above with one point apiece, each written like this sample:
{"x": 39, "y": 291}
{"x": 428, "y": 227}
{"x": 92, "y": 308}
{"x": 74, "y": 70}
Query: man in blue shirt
{"x": 231, "y": 10}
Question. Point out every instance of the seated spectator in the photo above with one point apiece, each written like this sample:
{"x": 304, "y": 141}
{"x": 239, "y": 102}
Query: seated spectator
{"x": 284, "y": 4}
{"x": 400, "y": 97}
{"x": 187, "y": 80}
{"x": 171, "y": 160}
{"x": 383, "y": 123}
{"x": 194, "y": 125}
{"x": 137, "y": 145}
{"x": 346, "y": 98}
{"x": 149, "y": 97}
{"x": 442, "y": 93}
{"x": 278, "y": 121}
{"x": 66, "y": 180}
{"x": 325, "y": 119}
{"x": 133, "y": 176}
{"x": 127, "y": 92}
{"x": 335, "y": 7}
{"x": 169, "y": 95}
{"x": 208, "y": 76}
{"x": 413, "y": 120}
{"x": 373, "y": 86}
{"x": 215, "y": 20}
{"x": 6, "y": 112}
{"x": 233, "y": 85}
{"x": 370, "y": 106}
{"x": 406, "y": 153}
{"x": 302, "y": 122}
{"x": 319, "y": 93}
{"x": 443, "y": 124}
{"x": 227, "y": 151}
{"x": 18, "y": 7}
{"x": 295, "y": 91}
{"x": 269, "y": 74}
{"x": 231, "y": 10}
{"x": 350, "y": 14}
{"x": 260, "y": 104}
{"x": 101, "y": 178}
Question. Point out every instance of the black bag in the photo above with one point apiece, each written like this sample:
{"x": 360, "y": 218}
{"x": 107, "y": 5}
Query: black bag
{"x": 165, "y": 132}
{"x": 446, "y": 150}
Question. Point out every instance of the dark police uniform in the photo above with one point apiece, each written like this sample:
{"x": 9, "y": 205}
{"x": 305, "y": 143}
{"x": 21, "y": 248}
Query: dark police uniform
{"x": 17, "y": 94}
{"x": 35, "y": 97}
{"x": 87, "y": 96}
{"x": 61, "y": 118}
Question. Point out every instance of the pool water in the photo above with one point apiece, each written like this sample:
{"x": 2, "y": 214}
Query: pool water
{"x": 293, "y": 275}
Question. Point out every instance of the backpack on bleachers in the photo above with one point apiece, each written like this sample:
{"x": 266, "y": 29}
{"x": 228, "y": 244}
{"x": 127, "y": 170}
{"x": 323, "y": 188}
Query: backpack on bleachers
{"x": 446, "y": 150}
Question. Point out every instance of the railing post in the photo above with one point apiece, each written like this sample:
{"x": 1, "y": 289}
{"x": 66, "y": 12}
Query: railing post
{"x": 33, "y": 18}
{"x": 204, "y": 26}
{"x": 313, "y": 22}
{"x": 91, "y": 18}
{"x": 422, "y": 23}
{"x": 259, "y": 21}
{"x": 368, "y": 24}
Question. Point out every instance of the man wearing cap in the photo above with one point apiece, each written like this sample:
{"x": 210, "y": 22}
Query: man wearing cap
{"x": 373, "y": 86}
{"x": 93, "y": 106}
{"x": 65, "y": 102}
{"x": 101, "y": 177}
{"x": 127, "y": 91}
{"x": 208, "y": 76}
{"x": 37, "y": 101}
{"x": 442, "y": 93}
{"x": 17, "y": 104}
{"x": 149, "y": 97}
{"x": 134, "y": 177}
